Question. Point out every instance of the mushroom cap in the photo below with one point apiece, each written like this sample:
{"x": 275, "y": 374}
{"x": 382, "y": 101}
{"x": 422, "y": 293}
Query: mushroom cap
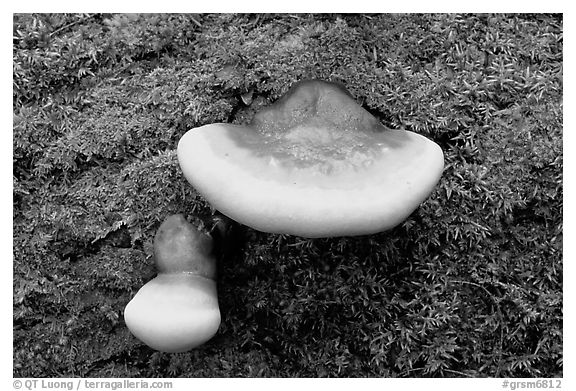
{"x": 174, "y": 312}
{"x": 314, "y": 164}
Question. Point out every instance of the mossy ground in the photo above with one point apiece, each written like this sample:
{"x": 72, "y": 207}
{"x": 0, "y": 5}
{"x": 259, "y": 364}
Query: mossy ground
{"x": 469, "y": 285}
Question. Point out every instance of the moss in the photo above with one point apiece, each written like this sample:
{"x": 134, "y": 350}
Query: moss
{"x": 469, "y": 285}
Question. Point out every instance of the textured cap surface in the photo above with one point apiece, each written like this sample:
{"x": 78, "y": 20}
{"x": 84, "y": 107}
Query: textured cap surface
{"x": 314, "y": 164}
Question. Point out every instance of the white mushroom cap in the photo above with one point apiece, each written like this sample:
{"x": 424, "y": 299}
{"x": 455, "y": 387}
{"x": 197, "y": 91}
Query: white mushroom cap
{"x": 315, "y": 164}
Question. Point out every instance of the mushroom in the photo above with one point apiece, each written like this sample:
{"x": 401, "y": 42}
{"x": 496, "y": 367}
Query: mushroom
{"x": 177, "y": 310}
{"x": 313, "y": 164}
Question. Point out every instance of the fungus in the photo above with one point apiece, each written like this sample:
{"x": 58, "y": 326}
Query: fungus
{"x": 313, "y": 164}
{"x": 177, "y": 310}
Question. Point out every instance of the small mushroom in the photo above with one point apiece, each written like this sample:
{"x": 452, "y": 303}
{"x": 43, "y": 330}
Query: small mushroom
{"x": 177, "y": 310}
{"x": 314, "y": 164}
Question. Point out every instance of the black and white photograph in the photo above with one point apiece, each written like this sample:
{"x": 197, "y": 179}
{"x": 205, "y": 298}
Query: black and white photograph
{"x": 287, "y": 195}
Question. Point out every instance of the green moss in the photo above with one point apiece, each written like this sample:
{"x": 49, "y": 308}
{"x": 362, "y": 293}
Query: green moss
{"x": 469, "y": 285}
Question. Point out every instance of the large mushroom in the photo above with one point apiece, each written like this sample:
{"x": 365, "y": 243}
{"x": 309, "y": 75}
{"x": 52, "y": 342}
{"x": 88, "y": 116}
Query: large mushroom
{"x": 314, "y": 164}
